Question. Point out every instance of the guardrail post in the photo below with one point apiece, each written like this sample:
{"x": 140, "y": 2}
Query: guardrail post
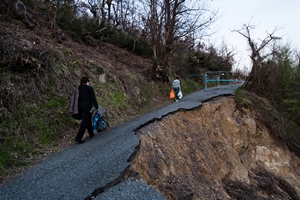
{"x": 205, "y": 80}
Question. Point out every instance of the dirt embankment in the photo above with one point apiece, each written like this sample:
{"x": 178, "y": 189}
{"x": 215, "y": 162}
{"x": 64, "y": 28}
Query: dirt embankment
{"x": 216, "y": 152}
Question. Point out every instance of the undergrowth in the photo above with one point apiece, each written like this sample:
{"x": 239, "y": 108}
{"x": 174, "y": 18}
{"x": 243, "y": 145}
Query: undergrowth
{"x": 36, "y": 84}
{"x": 34, "y": 115}
{"x": 280, "y": 127}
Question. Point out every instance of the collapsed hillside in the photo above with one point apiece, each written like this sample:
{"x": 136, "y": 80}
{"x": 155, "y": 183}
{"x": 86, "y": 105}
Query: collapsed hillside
{"x": 216, "y": 152}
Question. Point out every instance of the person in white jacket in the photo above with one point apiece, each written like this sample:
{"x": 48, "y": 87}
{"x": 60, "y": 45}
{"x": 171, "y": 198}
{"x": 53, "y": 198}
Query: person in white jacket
{"x": 176, "y": 88}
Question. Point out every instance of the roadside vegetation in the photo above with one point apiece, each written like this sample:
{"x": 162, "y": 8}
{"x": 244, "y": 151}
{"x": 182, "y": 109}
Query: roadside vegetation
{"x": 45, "y": 50}
{"x": 274, "y": 93}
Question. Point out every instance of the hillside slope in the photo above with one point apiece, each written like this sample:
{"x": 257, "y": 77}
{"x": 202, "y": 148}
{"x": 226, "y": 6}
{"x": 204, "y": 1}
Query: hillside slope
{"x": 38, "y": 74}
{"x": 213, "y": 152}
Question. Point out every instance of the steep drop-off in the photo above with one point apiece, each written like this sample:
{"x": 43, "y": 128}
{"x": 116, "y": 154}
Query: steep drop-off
{"x": 216, "y": 152}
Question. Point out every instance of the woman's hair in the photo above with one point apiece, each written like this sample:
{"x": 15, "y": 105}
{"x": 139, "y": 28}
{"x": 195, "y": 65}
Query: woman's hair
{"x": 84, "y": 80}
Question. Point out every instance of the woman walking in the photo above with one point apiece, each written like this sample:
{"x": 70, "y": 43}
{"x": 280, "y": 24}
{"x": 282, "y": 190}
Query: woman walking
{"x": 86, "y": 101}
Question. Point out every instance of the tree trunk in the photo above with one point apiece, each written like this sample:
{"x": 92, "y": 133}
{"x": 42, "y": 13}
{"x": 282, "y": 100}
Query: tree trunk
{"x": 53, "y": 22}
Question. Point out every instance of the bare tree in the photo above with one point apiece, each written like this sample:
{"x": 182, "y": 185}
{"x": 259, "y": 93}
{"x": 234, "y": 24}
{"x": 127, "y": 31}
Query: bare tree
{"x": 53, "y": 22}
{"x": 154, "y": 25}
{"x": 101, "y": 11}
{"x": 257, "y": 56}
{"x": 92, "y": 5}
{"x": 171, "y": 21}
{"x": 112, "y": 12}
{"x": 109, "y": 4}
{"x": 227, "y": 55}
{"x": 118, "y": 8}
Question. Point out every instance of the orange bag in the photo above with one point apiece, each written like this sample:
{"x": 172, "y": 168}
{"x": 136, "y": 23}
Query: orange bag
{"x": 172, "y": 94}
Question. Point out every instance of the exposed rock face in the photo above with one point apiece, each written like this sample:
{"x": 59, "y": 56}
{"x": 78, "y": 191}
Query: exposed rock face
{"x": 216, "y": 152}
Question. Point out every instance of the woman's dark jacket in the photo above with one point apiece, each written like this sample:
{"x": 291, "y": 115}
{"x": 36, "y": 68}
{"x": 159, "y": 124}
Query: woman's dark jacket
{"x": 87, "y": 98}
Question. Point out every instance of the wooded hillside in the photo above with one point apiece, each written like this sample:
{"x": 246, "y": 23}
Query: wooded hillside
{"x": 46, "y": 46}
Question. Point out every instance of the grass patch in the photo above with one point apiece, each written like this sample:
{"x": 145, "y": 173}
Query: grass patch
{"x": 25, "y": 131}
{"x": 112, "y": 96}
{"x": 96, "y": 68}
{"x": 188, "y": 86}
{"x": 6, "y": 158}
{"x": 148, "y": 94}
{"x": 14, "y": 150}
{"x": 113, "y": 99}
{"x": 240, "y": 98}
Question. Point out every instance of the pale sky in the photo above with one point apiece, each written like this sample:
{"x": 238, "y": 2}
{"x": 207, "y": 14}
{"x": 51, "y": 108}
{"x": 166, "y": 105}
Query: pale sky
{"x": 265, "y": 14}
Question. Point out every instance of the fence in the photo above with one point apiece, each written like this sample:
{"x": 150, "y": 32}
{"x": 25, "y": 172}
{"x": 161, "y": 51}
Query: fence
{"x": 218, "y": 77}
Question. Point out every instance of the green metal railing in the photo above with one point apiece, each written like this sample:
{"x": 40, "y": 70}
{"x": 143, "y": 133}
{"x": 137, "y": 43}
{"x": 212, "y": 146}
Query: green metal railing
{"x": 218, "y": 77}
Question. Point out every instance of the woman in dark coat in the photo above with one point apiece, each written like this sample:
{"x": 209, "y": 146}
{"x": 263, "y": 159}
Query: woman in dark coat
{"x": 86, "y": 101}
